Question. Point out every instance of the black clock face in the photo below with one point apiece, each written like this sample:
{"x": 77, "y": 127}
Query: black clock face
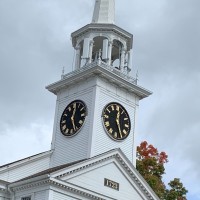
{"x": 73, "y": 118}
{"x": 116, "y": 121}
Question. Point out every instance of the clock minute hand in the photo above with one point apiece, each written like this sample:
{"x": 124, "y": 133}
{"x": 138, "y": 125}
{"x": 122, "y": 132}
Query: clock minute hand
{"x": 72, "y": 117}
{"x": 73, "y": 123}
{"x": 74, "y": 111}
{"x": 118, "y": 125}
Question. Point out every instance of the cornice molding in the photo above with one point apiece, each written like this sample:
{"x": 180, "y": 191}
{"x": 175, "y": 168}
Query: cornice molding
{"x": 30, "y": 185}
{"x": 74, "y": 190}
{"x": 86, "y": 166}
{"x": 98, "y": 27}
{"x": 57, "y": 183}
{"x": 134, "y": 178}
{"x": 99, "y": 68}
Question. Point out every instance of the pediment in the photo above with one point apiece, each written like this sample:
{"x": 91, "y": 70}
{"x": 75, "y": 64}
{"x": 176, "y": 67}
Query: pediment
{"x": 109, "y": 174}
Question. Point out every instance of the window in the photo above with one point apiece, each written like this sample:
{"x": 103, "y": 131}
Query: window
{"x": 26, "y": 198}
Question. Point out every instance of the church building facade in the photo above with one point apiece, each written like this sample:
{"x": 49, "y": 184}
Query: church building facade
{"x": 92, "y": 154}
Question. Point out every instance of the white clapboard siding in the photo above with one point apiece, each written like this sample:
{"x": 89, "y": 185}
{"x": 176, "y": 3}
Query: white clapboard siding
{"x": 94, "y": 181}
{"x": 108, "y": 93}
{"x": 41, "y": 195}
{"x": 60, "y": 196}
{"x": 75, "y": 148}
{"x": 37, "y": 193}
{"x": 26, "y": 169}
{"x": 92, "y": 139}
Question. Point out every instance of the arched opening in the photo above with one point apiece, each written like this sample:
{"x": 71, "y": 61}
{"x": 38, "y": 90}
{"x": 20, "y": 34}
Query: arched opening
{"x": 111, "y": 52}
{"x": 100, "y": 45}
{"x": 79, "y": 52}
{"x": 116, "y": 54}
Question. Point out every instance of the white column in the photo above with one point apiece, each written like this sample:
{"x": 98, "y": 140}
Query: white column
{"x": 49, "y": 195}
{"x": 105, "y": 50}
{"x": 85, "y": 56}
{"x": 91, "y": 50}
{"x": 130, "y": 59}
{"x": 78, "y": 57}
{"x": 122, "y": 59}
{"x": 110, "y": 52}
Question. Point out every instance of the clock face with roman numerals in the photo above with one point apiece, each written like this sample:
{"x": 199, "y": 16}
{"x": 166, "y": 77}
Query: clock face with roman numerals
{"x": 116, "y": 121}
{"x": 73, "y": 118}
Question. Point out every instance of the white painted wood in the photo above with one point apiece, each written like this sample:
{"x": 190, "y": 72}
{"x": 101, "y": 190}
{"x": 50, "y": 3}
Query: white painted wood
{"x": 75, "y": 148}
{"x": 40, "y": 195}
{"x": 101, "y": 141}
{"x": 130, "y": 59}
{"x": 111, "y": 36}
{"x": 105, "y": 49}
{"x": 92, "y": 138}
{"x": 49, "y": 195}
{"x": 104, "y": 11}
{"x": 39, "y": 192}
{"x": 86, "y": 48}
{"x": 20, "y": 195}
{"x": 27, "y": 169}
{"x": 60, "y": 196}
{"x": 93, "y": 180}
{"x": 85, "y": 180}
{"x": 88, "y": 176}
{"x": 4, "y": 197}
{"x": 135, "y": 133}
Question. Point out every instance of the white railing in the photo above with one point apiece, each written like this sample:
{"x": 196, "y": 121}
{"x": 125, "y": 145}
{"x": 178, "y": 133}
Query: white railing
{"x": 104, "y": 65}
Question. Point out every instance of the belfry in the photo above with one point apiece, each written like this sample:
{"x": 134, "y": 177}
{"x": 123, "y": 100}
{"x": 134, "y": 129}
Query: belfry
{"x": 103, "y": 38}
{"x": 92, "y": 153}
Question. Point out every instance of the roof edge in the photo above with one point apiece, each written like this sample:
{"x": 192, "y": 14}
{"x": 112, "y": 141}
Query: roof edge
{"x": 24, "y": 160}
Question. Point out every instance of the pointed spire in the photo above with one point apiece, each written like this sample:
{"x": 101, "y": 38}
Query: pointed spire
{"x": 104, "y": 12}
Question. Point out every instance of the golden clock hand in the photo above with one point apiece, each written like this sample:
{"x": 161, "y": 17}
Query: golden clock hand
{"x": 74, "y": 111}
{"x": 118, "y": 124}
{"x": 72, "y": 117}
{"x": 73, "y": 123}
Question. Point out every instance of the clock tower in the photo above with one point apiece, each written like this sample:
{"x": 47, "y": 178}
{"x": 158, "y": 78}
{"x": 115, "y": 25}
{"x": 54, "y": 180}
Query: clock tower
{"x": 97, "y": 102}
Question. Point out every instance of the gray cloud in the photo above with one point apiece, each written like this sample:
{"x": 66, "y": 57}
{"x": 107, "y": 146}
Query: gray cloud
{"x": 166, "y": 53}
{"x": 35, "y": 45}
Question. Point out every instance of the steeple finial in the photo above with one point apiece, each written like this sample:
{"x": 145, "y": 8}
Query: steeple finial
{"x": 104, "y": 12}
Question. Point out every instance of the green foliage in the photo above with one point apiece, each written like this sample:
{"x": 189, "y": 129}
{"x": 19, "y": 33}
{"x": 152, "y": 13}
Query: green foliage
{"x": 150, "y": 164}
{"x": 176, "y": 191}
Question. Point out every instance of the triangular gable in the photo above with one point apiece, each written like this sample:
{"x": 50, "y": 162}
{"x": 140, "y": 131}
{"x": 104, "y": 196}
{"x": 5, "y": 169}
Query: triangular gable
{"x": 102, "y": 173}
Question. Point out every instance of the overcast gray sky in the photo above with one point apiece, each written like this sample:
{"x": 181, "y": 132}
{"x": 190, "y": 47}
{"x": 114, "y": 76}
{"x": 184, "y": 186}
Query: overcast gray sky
{"x": 35, "y": 45}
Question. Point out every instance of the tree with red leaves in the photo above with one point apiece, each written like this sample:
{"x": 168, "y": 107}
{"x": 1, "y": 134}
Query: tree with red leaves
{"x": 150, "y": 164}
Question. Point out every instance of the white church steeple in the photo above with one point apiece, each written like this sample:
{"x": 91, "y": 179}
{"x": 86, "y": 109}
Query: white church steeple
{"x": 104, "y": 12}
{"x": 97, "y": 102}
